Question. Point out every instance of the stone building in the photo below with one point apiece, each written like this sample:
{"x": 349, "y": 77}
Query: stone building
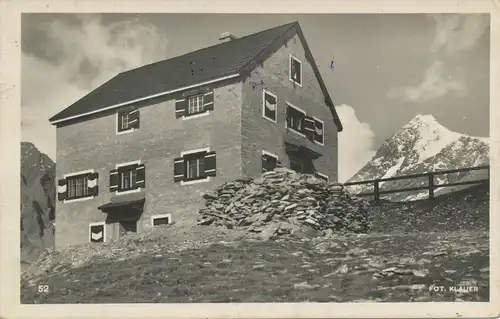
{"x": 139, "y": 150}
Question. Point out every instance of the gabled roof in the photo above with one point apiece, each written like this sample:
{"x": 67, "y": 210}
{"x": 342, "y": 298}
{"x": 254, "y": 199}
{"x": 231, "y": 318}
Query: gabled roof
{"x": 222, "y": 60}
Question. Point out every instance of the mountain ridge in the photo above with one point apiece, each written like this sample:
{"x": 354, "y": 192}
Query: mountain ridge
{"x": 420, "y": 146}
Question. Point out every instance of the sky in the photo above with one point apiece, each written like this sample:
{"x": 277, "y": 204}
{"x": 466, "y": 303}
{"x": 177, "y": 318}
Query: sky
{"x": 388, "y": 68}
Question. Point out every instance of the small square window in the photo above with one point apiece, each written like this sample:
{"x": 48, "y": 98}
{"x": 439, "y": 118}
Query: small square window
{"x": 161, "y": 220}
{"x": 295, "y": 70}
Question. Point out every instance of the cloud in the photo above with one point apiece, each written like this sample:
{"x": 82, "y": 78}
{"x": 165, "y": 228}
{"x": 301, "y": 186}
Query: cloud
{"x": 453, "y": 34}
{"x": 457, "y": 33}
{"x": 356, "y": 143}
{"x": 433, "y": 85}
{"x": 79, "y": 57}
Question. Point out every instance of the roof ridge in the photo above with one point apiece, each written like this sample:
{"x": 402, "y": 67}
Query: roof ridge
{"x": 211, "y": 46}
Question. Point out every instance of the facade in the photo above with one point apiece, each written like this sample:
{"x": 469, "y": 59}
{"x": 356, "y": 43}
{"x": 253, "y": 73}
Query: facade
{"x": 139, "y": 151}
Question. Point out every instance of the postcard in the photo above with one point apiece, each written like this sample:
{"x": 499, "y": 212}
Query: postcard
{"x": 255, "y": 159}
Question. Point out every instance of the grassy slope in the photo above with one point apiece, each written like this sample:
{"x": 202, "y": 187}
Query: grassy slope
{"x": 328, "y": 269}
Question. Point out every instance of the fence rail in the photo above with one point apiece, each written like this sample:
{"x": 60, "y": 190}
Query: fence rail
{"x": 431, "y": 186}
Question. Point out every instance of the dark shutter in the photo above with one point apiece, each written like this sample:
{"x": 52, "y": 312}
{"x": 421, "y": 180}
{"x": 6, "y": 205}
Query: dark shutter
{"x": 141, "y": 176}
{"x": 180, "y": 108}
{"x": 178, "y": 169}
{"x": 114, "y": 180}
{"x": 288, "y": 116}
{"x": 309, "y": 127}
{"x": 97, "y": 234}
{"x": 210, "y": 164}
{"x": 208, "y": 101}
{"x": 318, "y": 131}
{"x": 264, "y": 163}
{"x": 133, "y": 118}
{"x": 61, "y": 189}
{"x": 93, "y": 184}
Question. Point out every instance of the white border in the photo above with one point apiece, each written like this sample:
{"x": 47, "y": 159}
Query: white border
{"x": 290, "y": 57}
{"x": 286, "y": 123}
{"x": 264, "y": 92}
{"x": 103, "y": 232}
{"x": 169, "y": 216}
{"x": 130, "y": 130}
{"x": 137, "y": 190}
{"x": 10, "y": 118}
{"x": 147, "y": 98}
{"x": 194, "y": 151}
{"x": 79, "y": 173}
{"x": 322, "y": 122}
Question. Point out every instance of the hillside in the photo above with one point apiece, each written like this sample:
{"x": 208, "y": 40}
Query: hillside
{"x": 421, "y": 146}
{"x": 37, "y": 201}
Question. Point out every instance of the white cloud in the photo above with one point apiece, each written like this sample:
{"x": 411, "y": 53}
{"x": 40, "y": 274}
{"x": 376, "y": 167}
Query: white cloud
{"x": 453, "y": 34}
{"x": 433, "y": 85}
{"x": 356, "y": 143}
{"x": 87, "y": 54}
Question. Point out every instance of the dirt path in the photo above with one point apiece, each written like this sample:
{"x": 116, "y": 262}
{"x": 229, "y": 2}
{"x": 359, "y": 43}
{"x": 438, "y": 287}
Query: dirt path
{"x": 373, "y": 267}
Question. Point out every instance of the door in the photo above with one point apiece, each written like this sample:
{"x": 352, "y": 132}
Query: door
{"x": 127, "y": 227}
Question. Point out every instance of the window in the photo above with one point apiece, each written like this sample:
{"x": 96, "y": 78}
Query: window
{"x": 194, "y": 166}
{"x": 269, "y": 161}
{"x": 295, "y": 68}
{"x": 127, "y": 120}
{"x": 195, "y": 104}
{"x": 160, "y": 220}
{"x": 295, "y": 118}
{"x": 127, "y": 177}
{"x": 78, "y": 186}
{"x": 97, "y": 232}
{"x": 269, "y": 106}
{"x": 318, "y": 131}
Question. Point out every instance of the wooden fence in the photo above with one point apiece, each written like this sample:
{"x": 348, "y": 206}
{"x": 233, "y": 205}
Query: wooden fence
{"x": 431, "y": 186}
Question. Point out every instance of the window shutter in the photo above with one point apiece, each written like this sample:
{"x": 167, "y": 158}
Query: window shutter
{"x": 308, "y": 125}
{"x": 180, "y": 108}
{"x": 210, "y": 164}
{"x": 178, "y": 169}
{"x": 141, "y": 176}
{"x": 134, "y": 118}
{"x": 61, "y": 189}
{"x": 318, "y": 131}
{"x": 92, "y": 184}
{"x": 264, "y": 163}
{"x": 208, "y": 101}
{"x": 114, "y": 180}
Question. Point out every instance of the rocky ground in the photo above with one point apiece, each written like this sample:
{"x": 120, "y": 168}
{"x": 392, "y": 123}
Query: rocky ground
{"x": 232, "y": 256}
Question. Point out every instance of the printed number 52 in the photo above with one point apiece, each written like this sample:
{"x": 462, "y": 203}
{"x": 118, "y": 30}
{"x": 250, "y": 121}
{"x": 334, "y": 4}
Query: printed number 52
{"x": 43, "y": 288}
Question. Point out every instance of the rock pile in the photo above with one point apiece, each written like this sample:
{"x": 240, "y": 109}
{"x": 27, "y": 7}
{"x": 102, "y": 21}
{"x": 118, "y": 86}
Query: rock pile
{"x": 282, "y": 202}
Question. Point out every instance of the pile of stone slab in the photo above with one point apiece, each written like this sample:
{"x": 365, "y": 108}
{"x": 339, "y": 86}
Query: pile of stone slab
{"x": 283, "y": 202}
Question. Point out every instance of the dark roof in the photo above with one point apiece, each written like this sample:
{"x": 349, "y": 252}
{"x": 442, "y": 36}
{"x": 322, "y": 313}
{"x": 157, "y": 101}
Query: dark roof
{"x": 199, "y": 66}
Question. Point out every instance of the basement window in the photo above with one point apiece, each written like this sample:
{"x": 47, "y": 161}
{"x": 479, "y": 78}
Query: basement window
{"x": 160, "y": 220}
{"x": 97, "y": 232}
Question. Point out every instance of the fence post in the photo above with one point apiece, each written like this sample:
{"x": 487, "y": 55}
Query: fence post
{"x": 376, "y": 193}
{"x": 431, "y": 186}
